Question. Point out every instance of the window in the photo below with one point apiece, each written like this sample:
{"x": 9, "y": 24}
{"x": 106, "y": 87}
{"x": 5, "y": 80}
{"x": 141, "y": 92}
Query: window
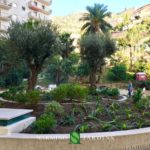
{"x": 35, "y": 3}
{"x": 43, "y": 6}
{"x": 23, "y": 8}
{"x": 35, "y": 13}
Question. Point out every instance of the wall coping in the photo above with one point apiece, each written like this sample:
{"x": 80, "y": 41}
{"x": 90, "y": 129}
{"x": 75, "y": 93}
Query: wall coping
{"x": 85, "y": 136}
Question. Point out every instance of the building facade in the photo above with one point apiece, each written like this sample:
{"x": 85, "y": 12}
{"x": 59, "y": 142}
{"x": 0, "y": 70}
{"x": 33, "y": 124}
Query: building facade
{"x": 23, "y": 10}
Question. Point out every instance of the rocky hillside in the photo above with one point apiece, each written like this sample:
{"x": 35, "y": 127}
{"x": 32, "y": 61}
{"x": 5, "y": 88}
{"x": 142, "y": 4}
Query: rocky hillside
{"x": 69, "y": 23}
{"x": 72, "y": 24}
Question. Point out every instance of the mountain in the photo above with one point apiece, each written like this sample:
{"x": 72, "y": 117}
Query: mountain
{"x": 69, "y": 23}
{"x": 72, "y": 24}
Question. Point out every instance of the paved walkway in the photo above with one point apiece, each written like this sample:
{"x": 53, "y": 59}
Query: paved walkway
{"x": 123, "y": 92}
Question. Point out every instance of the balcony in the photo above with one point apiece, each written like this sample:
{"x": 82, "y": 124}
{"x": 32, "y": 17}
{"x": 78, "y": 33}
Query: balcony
{"x": 46, "y": 11}
{"x": 5, "y": 5}
{"x": 3, "y": 28}
{"x": 45, "y": 2}
{"x": 32, "y": 6}
{"x": 38, "y": 9}
{"x": 32, "y": 15}
{"x": 4, "y": 17}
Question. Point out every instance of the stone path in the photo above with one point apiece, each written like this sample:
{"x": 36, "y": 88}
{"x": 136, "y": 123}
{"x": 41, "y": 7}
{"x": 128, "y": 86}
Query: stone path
{"x": 123, "y": 92}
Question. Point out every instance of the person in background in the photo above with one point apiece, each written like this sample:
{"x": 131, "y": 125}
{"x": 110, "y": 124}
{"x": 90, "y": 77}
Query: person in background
{"x": 130, "y": 88}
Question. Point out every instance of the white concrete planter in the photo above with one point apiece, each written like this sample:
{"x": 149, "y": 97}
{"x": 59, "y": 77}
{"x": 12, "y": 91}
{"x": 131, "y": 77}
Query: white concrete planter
{"x": 15, "y": 120}
{"x": 137, "y": 139}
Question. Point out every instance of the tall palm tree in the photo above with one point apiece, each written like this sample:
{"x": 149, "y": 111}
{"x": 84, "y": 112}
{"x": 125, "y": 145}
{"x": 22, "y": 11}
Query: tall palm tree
{"x": 66, "y": 45}
{"x": 95, "y": 19}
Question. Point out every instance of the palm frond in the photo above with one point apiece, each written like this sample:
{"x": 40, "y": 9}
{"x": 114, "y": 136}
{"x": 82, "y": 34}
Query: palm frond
{"x": 95, "y": 18}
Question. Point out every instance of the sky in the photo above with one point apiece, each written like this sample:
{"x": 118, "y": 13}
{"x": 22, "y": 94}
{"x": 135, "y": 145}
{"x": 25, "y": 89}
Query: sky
{"x": 65, "y": 7}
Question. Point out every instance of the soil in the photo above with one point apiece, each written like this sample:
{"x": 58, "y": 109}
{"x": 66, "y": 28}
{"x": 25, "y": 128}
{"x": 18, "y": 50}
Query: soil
{"x": 37, "y": 110}
{"x": 84, "y": 109}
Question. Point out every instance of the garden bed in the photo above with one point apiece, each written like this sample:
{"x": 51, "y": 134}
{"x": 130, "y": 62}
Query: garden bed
{"x": 73, "y": 107}
{"x": 102, "y": 115}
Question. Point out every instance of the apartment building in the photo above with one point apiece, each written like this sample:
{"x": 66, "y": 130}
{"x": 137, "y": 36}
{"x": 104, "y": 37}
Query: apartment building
{"x": 22, "y": 10}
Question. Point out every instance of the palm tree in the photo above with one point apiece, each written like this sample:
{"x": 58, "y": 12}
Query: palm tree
{"x": 66, "y": 45}
{"x": 95, "y": 19}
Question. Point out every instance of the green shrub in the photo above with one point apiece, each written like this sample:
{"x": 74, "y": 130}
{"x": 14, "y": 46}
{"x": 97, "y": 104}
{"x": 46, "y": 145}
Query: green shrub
{"x": 130, "y": 76}
{"x": 21, "y": 98}
{"x": 77, "y": 92}
{"x": 109, "y": 92}
{"x": 144, "y": 103}
{"x": 82, "y": 128}
{"x": 46, "y": 96}
{"x": 2, "y": 82}
{"x": 114, "y": 107}
{"x": 44, "y": 124}
{"x": 91, "y": 98}
{"x": 147, "y": 84}
{"x": 138, "y": 84}
{"x": 103, "y": 92}
{"x": 83, "y": 69}
{"x": 60, "y": 93}
{"x": 12, "y": 92}
{"x": 69, "y": 92}
{"x": 13, "y": 77}
{"x": 92, "y": 91}
{"x": 137, "y": 95}
{"x": 69, "y": 120}
{"x": 33, "y": 97}
{"x": 111, "y": 76}
{"x": 55, "y": 108}
{"x": 7, "y": 95}
{"x": 142, "y": 84}
{"x": 114, "y": 92}
{"x": 107, "y": 126}
{"x": 117, "y": 73}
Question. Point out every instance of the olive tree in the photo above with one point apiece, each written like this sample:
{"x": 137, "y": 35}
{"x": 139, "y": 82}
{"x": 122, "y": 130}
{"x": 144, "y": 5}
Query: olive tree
{"x": 11, "y": 66}
{"x": 94, "y": 49}
{"x": 34, "y": 43}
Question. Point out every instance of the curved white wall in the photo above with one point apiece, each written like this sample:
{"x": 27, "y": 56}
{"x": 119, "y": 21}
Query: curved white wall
{"x": 138, "y": 139}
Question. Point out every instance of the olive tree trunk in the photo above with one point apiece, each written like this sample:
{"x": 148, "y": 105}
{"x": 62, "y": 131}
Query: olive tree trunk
{"x": 58, "y": 76}
{"x": 92, "y": 78}
{"x": 34, "y": 71}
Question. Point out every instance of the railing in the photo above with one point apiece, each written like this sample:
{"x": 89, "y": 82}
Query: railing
{"x": 5, "y": 4}
{"x": 33, "y": 6}
{"x": 45, "y": 2}
{"x": 36, "y": 8}
{"x": 46, "y": 11}
{"x": 4, "y": 16}
{"x": 3, "y": 28}
{"x": 3, "y": 1}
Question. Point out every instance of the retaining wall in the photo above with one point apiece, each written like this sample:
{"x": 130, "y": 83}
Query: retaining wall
{"x": 138, "y": 139}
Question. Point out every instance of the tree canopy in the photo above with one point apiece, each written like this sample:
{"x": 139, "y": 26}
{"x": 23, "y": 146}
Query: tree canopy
{"x": 94, "y": 49}
{"x": 66, "y": 44}
{"x": 34, "y": 42}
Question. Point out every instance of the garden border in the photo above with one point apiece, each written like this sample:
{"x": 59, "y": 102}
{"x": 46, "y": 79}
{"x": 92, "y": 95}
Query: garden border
{"x": 137, "y": 139}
